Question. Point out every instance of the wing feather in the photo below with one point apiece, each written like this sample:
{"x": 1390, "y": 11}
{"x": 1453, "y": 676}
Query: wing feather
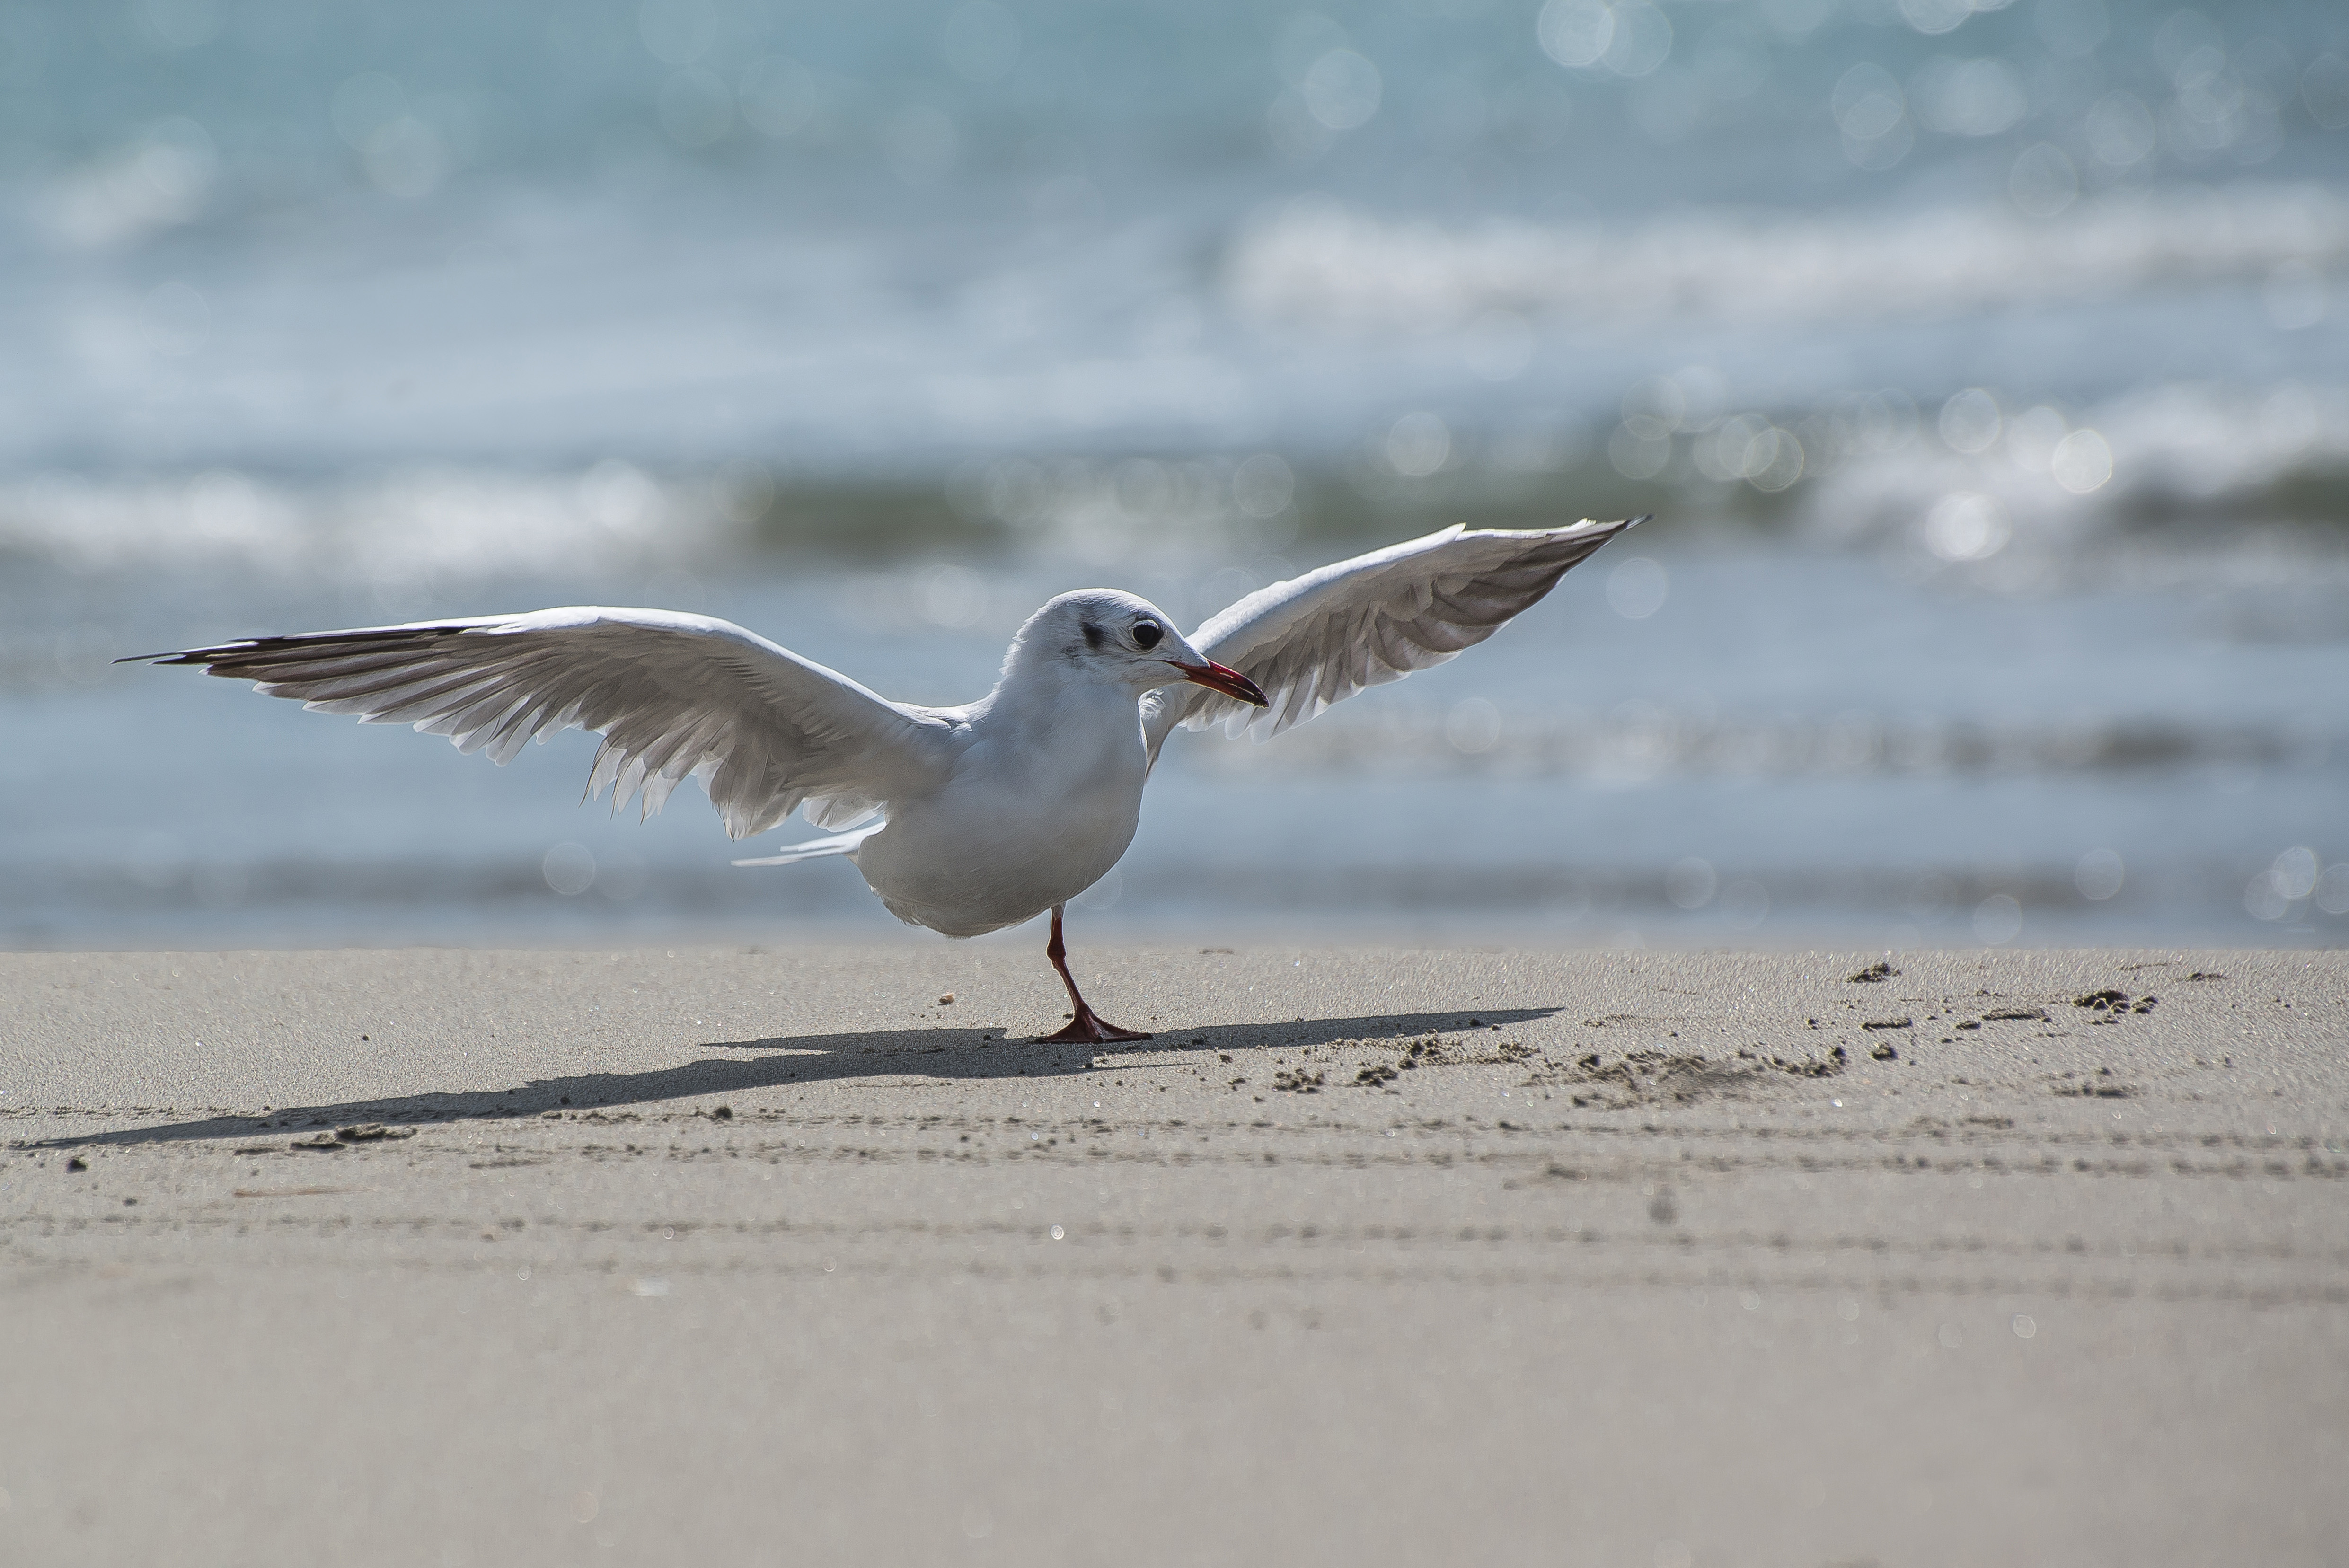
{"x": 672, "y": 695}
{"x": 1318, "y": 639}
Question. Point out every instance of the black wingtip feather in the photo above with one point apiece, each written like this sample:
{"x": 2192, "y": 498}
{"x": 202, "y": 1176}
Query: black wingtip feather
{"x": 181, "y": 656}
{"x": 307, "y": 642}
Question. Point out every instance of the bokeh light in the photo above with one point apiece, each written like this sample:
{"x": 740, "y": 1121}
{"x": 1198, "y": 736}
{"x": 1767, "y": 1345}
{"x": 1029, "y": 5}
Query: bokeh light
{"x": 2100, "y": 875}
{"x": 1998, "y": 920}
{"x": 1638, "y": 587}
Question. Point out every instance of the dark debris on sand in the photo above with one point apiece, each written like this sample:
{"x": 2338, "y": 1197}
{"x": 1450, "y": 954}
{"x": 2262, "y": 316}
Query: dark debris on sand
{"x": 1682, "y": 1077}
{"x": 2115, "y": 1001}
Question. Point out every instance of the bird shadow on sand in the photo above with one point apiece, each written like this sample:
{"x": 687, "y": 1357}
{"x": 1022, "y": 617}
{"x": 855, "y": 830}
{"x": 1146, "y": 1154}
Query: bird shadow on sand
{"x": 886, "y": 1055}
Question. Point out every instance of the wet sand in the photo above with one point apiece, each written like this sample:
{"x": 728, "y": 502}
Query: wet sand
{"x": 1371, "y": 1256}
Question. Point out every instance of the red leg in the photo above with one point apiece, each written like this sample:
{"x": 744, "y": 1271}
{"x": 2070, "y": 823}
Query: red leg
{"x": 1085, "y": 1027}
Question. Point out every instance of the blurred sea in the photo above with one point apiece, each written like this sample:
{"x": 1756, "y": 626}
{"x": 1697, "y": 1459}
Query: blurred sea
{"x": 1988, "y": 368}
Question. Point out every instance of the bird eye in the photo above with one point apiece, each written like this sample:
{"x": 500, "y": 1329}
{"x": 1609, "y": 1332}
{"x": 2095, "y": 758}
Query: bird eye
{"x": 1147, "y": 632}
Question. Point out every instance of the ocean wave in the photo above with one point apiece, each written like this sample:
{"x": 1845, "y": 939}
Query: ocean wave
{"x": 1994, "y": 483}
{"x": 2209, "y": 463}
{"x": 506, "y": 903}
{"x": 397, "y": 525}
{"x": 1638, "y": 743}
{"x": 1314, "y": 262}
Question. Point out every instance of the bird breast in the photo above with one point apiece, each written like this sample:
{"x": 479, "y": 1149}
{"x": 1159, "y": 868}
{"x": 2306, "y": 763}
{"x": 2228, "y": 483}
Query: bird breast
{"x": 1035, "y": 813}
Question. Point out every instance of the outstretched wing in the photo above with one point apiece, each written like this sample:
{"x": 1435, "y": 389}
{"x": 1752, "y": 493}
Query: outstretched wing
{"x": 1321, "y": 638}
{"x": 764, "y": 729}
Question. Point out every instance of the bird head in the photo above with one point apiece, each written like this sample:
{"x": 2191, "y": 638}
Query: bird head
{"x": 1113, "y": 637}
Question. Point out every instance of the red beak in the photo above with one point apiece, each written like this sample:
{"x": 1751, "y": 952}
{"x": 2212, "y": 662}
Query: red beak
{"x": 1223, "y": 678}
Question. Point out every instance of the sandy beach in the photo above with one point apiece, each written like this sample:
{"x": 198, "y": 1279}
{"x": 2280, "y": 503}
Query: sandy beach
{"x": 1642, "y": 1258}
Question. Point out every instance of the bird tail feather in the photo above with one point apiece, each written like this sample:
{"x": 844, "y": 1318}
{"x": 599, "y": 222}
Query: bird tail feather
{"x": 816, "y": 849}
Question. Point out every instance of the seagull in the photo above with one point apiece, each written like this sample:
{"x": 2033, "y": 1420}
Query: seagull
{"x": 964, "y": 820}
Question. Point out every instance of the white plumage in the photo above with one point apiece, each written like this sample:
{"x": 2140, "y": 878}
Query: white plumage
{"x": 1318, "y": 639}
{"x": 964, "y": 820}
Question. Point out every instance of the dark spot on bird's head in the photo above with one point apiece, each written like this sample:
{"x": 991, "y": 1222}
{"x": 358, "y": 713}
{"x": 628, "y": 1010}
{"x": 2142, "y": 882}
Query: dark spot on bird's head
{"x": 1094, "y": 636}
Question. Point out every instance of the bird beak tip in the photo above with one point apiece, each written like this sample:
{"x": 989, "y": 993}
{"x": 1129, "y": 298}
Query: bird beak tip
{"x": 1223, "y": 678}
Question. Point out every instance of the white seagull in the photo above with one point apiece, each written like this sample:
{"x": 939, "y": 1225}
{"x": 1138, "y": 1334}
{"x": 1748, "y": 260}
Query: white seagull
{"x": 964, "y": 820}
